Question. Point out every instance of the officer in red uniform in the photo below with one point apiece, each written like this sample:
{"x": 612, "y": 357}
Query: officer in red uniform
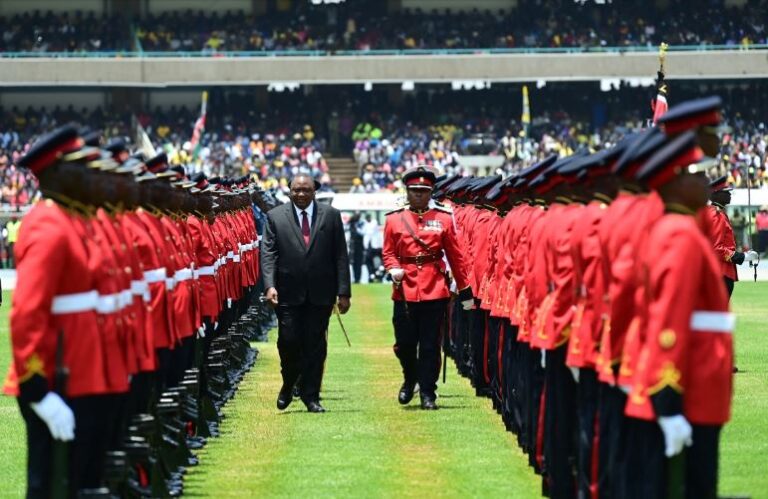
{"x": 721, "y": 235}
{"x": 54, "y": 326}
{"x": 415, "y": 240}
{"x": 681, "y": 392}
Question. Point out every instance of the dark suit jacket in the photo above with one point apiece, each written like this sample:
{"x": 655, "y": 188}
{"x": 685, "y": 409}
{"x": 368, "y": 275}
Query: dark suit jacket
{"x": 314, "y": 274}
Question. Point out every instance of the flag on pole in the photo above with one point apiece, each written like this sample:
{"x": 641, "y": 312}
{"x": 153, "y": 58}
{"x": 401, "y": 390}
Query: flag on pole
{"x": 141, "y": 139}
{"x": 659, "y": 105}
{"x": 525, "y": 119}
{"x": 197, "y": 132}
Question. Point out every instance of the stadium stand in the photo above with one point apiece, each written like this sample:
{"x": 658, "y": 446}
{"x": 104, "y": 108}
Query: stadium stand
{"x": 366, "y": 26}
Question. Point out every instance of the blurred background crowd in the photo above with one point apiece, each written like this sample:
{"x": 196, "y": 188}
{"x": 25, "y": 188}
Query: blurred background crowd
{"x": 368, "y": 26}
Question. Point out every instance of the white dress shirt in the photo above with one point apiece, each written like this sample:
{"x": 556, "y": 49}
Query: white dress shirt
{"x": 310, "y": 211}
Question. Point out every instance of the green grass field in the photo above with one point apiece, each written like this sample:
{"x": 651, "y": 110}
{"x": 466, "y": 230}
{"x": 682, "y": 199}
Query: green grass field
{"x": 369, "y": 446}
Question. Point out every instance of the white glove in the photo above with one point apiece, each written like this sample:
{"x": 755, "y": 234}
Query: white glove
{"x": 216, "y": 325}
{"x": 468, "y": 304}
{"x": 575, "y": 373}
{"x": 57, "y": 415}
{"x": 677, "y": 433}
{"x": 229, "y": 302}
{"x": 543, "y": 359}
{"x": 201, "y": 331}
{"x": 396, "y": 275}
{"x": 750, "y": 256}
{"x": 626, "y": 389}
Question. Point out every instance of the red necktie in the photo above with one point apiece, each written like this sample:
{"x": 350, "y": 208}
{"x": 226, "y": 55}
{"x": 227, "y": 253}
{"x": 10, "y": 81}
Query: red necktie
{"x": 305, "y": 227}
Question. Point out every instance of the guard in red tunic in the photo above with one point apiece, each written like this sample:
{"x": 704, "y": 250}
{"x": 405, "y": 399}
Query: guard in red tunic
{"x": 415, "y": 240}
{"x": 720, "y": 233}
{"x": 54, "y": 326}
{"x": 681, "y": 392}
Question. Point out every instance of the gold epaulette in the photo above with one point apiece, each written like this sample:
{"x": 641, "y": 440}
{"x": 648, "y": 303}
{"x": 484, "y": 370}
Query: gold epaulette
{"x": 398, "y": 210}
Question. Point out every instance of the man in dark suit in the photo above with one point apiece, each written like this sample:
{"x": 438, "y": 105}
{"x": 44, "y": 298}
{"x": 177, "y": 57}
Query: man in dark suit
{"x": 306, "y": 271}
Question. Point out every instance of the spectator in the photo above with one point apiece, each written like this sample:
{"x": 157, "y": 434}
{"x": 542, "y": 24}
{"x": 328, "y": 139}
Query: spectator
{"x": 13, "y": 227}
{"x": 372, "y": 244}
{"x": 761, "y": 224}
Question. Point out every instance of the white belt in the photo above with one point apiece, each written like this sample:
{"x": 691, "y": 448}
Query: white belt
{"x": 236, "y": 258}
{"x": 195, "y": 274}
{"x": 169, "y": 283}
{"x": 138, "y": 288}
{"x": 209, "y": 270}
{"x": 74, "y": 303}
{"x": 231, "y": 255}
{"x": 182, "y": 275}
{"x": 108, "y": 304}
{"x": 713, "y": 322}
{"x": 155, "y": 275}
{"x": 124, "y": 298}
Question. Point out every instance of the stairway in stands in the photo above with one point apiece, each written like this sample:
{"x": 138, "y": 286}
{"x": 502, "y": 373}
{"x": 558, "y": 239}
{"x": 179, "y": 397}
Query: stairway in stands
{"x": 342, "y": 170}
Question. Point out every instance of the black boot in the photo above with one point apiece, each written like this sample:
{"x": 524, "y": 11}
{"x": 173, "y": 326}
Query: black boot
{"x": 406, "y": 392}
{"x": 428, "y": 402}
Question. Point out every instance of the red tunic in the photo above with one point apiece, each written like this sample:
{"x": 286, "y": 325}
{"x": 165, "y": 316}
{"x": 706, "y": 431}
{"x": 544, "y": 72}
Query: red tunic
{"x": 426, "y": 281}
{"x": 182, "y": 290}
{"x": 589, "y": 284}
{"x": 52, "y": 262}
{"x": 205, "y": 256}
{"x": 534, "y": 286}
{"x": 630, "y": 295}
{"x": 553, "y": 319}
{"x": 136, "y": 236}
{"x": 720, "y": 232}
{"x": 156, "y": 251}
{"x": 688, "y": 344}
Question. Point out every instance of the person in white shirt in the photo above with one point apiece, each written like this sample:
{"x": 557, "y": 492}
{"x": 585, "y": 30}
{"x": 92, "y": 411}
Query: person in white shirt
{"x": 372, "y": 242}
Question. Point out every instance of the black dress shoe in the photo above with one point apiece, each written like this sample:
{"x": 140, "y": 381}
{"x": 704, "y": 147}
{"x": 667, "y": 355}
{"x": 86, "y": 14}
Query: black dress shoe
{"x": 284, "y": 399}
{"x": 406, "y": 393}
{"x": 315, "y": 407}
{"x": 428, "y": 403}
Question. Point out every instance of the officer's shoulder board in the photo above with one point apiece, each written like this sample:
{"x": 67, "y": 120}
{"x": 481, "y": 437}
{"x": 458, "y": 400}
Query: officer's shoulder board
{"x": 398, "y": 210}
{"x": 443, "y": 208}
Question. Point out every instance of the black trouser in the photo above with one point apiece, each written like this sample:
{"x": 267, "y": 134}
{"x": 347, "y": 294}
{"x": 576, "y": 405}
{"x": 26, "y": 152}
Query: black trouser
{"x": 649, "y": 472}
{"x": 587, "y": 411}
{"x": 612, "y": 441}
{"x": 10, "y": 257}
{"x": 510, "y": 388}
{"x": 357, "y": 260}
{"x": 93, "y": 429}
{"x": 533, "y": 380}
{"x": 478, "y": 345}
{"x": 182, "y": 358}
{"x": 559, "y": 419}
{"x": 728, "y": 285}
{"x": 491, "y": 347}
{"x": 418, "y": 329}
{"x": 370, "y": 254}
{"x": 302, "y": 345}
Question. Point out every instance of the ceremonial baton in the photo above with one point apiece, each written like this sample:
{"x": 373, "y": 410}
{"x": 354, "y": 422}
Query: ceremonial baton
{"x": 341, "y": 324}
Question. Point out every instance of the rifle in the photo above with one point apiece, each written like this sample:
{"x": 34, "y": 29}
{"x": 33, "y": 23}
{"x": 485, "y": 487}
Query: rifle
{"x": 60, "y": 450}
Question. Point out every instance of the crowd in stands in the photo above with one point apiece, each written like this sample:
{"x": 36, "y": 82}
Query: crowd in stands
{"x": 274, "y": 151}
{"x": 64, "y": 32}
{"x": 386, "y": 154}
{"x": 366, "y": 25}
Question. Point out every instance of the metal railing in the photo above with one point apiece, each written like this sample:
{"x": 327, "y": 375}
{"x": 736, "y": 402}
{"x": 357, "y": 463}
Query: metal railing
{"x": 384, "y": 52}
